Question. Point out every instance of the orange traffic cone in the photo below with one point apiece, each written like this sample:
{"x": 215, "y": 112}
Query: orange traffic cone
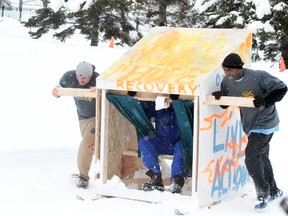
{"x": 111, "y": 44}
{"x": 282, "y": 64}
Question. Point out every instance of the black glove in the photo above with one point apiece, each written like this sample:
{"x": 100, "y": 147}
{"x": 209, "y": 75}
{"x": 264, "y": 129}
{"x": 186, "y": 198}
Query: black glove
{"x": 259, "y": 101}
{"x": 275, "y": 96}
{"x": 217, "y": 95}
{"x": 271, "y": 99}
{"x": 174, "y": 96}
{"x": 131, "y": 93}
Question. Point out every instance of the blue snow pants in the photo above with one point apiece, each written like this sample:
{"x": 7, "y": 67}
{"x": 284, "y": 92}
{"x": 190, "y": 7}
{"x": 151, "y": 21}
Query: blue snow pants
{"x": 151, "y": 148}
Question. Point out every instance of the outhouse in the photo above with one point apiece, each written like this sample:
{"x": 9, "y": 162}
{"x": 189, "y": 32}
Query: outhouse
{"x": 183, "y": 64}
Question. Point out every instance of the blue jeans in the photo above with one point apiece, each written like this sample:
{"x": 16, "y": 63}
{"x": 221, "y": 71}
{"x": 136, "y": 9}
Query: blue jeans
{"x": 151, "y": 148}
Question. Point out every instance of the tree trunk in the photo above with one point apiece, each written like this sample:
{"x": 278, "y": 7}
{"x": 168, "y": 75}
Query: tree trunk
{"x": 95, "y": 33}
{"x": 20, "y": 8}
{"x": 45, "y": 3}
{"x": 162, "y": 13}
{"x": 3, "y": 8}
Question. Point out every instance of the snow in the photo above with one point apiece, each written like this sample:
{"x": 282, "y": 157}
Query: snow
{"x": 202, "y": 6}
{"x": 262, "y": 8}
{"x": 280, "y": 6}
{"x": 40, "y": 136}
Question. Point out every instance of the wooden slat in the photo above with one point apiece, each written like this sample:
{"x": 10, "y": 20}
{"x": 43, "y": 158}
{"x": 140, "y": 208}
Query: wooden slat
{"x": 135, "y": 154}
{"x": 98, "y": 125}
{"x": 168, "y": 100}
{"x": 140, "y": 181}
{"x": 142, "y": 96}
{"x": 152, "y": 97}
{"x": 196, "y": 144}
{"x": 76, "y": 92}
{"x": 230, "y": 101}
{"x": 130, "y": 153}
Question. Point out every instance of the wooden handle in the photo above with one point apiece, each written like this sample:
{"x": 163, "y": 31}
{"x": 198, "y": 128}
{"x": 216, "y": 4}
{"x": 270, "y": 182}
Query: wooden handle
{"x": 76, "y": 92}
{"x": 230, "y": 101}
{"x": 167, "y": 100}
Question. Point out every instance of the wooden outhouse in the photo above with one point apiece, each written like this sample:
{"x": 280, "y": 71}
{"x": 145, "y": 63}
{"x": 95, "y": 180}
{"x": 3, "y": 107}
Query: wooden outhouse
{"x": 185, "y": 62}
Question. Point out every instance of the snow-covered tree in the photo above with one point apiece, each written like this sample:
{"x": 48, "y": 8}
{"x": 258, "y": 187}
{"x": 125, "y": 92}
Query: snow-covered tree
{"x": 106, "y": 17}
{"x": 5, "y": 4}
{"x": 274, "y": 42}
{"x": 168, "y": 12}
{"x": 267, "y": 23}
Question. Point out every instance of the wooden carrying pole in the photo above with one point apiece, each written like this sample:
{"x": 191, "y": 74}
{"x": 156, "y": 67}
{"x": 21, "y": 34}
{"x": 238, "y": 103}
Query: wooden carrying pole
{"x": 230, "y": 101}
{"x": 76, "y": 92}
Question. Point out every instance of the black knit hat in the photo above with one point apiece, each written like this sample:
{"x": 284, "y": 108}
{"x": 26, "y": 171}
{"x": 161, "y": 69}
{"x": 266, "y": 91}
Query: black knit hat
{"x": 232, "y": 60}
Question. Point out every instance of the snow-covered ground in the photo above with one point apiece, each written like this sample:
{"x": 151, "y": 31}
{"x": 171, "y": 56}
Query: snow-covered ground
{"x": 39, "y": 136}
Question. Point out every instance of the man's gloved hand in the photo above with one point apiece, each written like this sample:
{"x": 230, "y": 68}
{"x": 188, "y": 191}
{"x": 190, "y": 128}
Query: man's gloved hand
{"x": 217, "y": 95}
{"x": 259, "y": 101}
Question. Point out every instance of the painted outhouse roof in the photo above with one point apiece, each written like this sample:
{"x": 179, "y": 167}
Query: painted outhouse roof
{"x": 174, "y": 60}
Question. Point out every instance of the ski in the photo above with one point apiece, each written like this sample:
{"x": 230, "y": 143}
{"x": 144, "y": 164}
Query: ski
{"x": 178, "y": 212}
{"x": 130, "y": 194}
{"x": 261, "y": 205}
{"x": 81, "y": 198}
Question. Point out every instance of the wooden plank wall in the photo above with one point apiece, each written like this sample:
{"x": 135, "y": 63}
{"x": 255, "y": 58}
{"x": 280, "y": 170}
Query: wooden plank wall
{"x": 121, "y": 136}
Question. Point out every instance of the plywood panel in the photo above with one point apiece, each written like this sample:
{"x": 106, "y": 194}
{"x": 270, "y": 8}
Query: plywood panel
{"x": 121, "y": 136}
{"x": 230, "y": 101}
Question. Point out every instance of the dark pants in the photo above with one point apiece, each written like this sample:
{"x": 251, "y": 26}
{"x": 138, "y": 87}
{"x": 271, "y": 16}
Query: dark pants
{"x": 258, "y": 163}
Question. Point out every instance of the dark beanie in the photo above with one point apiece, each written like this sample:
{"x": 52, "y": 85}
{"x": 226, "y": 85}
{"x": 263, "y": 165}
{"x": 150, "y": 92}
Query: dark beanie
{"x": 232, "y": 60}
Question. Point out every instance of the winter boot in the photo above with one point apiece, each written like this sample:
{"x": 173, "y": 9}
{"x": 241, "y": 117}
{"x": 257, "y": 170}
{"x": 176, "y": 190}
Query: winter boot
{"x": 177, "y": 184}
{"x": 156, "y": 182}
{"x": 262, "y": 201}
{"x": 276, "y": 194}
{"x": 81, "y": 181}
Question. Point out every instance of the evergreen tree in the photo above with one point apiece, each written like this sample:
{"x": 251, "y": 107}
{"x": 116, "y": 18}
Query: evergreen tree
{"x": 109, "y": 17}
{"x": 168, "y": 13}
{"x": 226, "y": 14}
{"x": 44, "y": 20}
{"x": 180, "y": 14}
{"x": 118, "y": 23}
{"x": 5, "y": 5}
{"x": 274, "y": 42}
{"x": 236, "y": 14}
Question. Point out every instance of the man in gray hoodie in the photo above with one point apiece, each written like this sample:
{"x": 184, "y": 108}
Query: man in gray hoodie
{"x": 259, "y": 122}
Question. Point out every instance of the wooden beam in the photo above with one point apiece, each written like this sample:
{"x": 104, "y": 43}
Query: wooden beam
{"x": 135, "y": 154}
{"x": 230, "y": 101}
{"x": 131, "y": 194}
{"x": 98, "y": 125}
{"x": 168, "y": 100}
{"x": 148, "y": 96}
{"x": 76, "y": 92}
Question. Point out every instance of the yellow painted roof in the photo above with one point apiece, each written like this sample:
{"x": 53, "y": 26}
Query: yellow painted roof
{"x": 174, "y": 60}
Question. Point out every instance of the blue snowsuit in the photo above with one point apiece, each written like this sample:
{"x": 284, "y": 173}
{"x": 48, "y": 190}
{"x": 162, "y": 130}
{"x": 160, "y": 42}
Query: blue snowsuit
{"x": 167, "y": 140}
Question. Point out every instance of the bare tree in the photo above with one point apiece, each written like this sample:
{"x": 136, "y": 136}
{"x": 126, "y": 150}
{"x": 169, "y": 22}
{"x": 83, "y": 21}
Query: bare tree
{"x": 20, "y": 8}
